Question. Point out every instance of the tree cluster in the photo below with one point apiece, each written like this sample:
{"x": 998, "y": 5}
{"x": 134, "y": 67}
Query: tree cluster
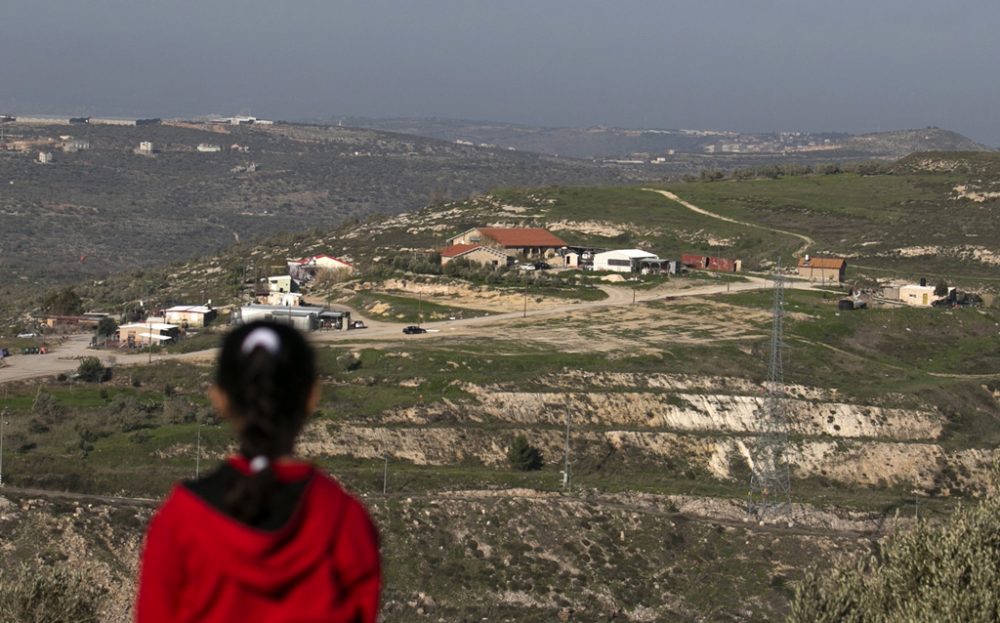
{"x": 935, "y": 572}
{"x": 776, "y": 171}
{"x": 523, "y": 456}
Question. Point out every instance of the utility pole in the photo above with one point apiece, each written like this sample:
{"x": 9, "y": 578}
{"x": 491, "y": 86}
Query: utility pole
{"x": 150, "y": 339}
{"x": 3, "y": 420}
{"x": 385, "y": 475}
{"x": 566, "y": 478}
{"x": 197, "y": 458}
{"x": 525, "y": 315}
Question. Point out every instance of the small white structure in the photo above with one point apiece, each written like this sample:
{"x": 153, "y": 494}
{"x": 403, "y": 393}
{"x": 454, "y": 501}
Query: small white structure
{"x": 145, "y": 148}
{"x": 146, "y": 333}
{"x": 283, "y": 299}
{"x": 921, "y": 296}
{"x": 282, "y": 283}
{"x": 190, "y": 315}
{"x": 45, "y": 157}
{"x": 208, "y": 148}
{"x": 73, "y": 145}
{"x": 625, "y": 260}
{"x": 308, "y": 268}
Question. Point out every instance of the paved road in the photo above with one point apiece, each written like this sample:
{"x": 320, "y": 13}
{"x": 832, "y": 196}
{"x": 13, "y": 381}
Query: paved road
{"x": 808, "y": 242}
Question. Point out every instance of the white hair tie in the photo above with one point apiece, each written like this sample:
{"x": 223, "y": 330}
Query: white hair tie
{"x": 259, "y": 463}
{"x": 261, "y": 337}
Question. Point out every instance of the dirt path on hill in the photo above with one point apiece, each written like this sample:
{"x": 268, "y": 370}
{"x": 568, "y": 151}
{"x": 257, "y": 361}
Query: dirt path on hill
{"x": 807, "y": 241}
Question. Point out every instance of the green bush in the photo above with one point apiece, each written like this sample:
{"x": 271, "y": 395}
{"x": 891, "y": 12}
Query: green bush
{"x": 48, "y": 594}
{"x": 523, "y": 456}
{"x": 936, "y": 572}
{"x": 91, "y": 370}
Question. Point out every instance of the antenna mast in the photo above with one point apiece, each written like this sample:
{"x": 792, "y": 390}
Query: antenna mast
{"x": 770, "y": 491}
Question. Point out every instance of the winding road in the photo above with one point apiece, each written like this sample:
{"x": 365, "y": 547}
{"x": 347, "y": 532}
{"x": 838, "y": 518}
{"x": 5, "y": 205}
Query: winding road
{"x": 807, "y": 241}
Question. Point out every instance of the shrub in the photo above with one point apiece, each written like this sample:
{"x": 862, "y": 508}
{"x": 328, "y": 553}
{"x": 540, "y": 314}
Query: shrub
{"x": 178, "y": 410}
{"x": 48, "y": 594}
{"x": 47, "y": 407}
{"x": 939, "y": 572}
{"x": 523, "y": 456}
{"x": 91, "y": 370}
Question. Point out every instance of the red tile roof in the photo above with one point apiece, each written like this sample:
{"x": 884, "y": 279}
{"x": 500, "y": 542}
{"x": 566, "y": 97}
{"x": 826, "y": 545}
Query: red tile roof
{"x": 822, "y": 262}
{"x": 458, "y": 249}
{"x": 522, "y": 237}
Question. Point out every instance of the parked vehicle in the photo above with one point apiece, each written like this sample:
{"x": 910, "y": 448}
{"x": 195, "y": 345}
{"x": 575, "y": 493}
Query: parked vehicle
{"x": 357, "y": 324}
{"x": 410, "y": 330}
{"x": 542, "y": 265}
{"x": 526, "y": 267}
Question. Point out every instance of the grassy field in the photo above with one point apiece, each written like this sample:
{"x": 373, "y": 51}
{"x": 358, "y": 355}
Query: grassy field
{"x": 106, "y": 437}
{"x": 867, "y": 218}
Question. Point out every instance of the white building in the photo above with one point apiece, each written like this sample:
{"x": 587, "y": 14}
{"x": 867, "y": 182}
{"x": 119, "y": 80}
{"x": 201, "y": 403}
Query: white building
{"x": 626, "y": 261}
{"x": 208, "y": 148}
{"x": 190, "y": 315}
{"x": 45, "y": 157}
{"x": 146, "y": 333}
{"x": 307, "y": 268}
{"x": 304, "y": 318}
{"x": 72, "y": 145}
{"x": 145, "y": 148}
{"x": 282, "y": 283}
{"x": 921, "y": 296}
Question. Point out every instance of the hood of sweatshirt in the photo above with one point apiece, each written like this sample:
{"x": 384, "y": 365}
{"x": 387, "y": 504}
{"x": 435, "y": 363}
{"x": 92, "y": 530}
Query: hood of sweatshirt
{"x": 267, "y": 561}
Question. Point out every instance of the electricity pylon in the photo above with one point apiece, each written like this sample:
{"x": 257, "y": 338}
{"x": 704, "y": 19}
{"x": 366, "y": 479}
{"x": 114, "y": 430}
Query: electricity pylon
{"x": 770, "y": 492}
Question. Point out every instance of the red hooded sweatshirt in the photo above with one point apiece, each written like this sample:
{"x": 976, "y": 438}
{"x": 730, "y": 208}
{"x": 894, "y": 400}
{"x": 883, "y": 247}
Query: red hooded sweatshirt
{"x": 201, "y": 564}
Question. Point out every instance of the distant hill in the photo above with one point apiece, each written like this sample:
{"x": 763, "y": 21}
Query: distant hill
{"x": 610, "y": 142}
{"x": 929, "y": 215}
{"x": 106, "y": 209}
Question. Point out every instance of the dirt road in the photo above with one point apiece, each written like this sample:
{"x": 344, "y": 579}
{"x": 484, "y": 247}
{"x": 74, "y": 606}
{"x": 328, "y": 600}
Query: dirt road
{"x": 65, "y": 357}
{"x": 807, "y": 241}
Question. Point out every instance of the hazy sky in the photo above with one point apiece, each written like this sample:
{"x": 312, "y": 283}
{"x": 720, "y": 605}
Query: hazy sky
{"x": 751, "y": 65}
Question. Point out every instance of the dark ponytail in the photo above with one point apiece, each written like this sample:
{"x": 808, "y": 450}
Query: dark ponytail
{"x": 267, "y": 370}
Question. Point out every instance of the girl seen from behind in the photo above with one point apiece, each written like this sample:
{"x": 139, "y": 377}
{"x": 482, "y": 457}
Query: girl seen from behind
{"x": 265, "y": 537}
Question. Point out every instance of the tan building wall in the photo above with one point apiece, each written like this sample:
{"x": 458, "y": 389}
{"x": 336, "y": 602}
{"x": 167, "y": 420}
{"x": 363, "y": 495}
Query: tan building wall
{"x": 480, "y": 256}
{"x": 469, "y": 237}
{"x": 920, "y": 296}
{"x": 185, "y": 319}
{"x": 831, "y": 275}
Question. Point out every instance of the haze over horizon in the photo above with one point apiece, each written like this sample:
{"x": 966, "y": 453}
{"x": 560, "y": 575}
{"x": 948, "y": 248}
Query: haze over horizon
{"x": 760, "y": 66}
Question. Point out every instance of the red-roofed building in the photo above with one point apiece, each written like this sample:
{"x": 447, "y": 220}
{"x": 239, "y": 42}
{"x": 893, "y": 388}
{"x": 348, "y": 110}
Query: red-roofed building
{"x": 527, "y": 241}
{"x": 822, "y": 268}
{"x": 475, "y": 253}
